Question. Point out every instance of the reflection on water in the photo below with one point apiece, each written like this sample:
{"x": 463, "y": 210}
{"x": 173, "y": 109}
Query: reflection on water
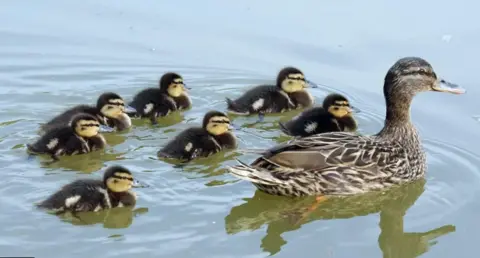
{"x": 282, "y": 215}
{"x": 110, "y": 218}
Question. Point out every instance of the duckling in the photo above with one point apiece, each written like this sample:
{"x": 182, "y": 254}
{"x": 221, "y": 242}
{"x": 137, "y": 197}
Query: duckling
{"x": 81, "y": 136}
{"x": 288, "y": 93}
{"x": 155, "y": 102}
{"x": 94, "y": 195}
{"x": 212, "y": 137}
{"x": 334, "y": 115}
{"x": 109, "y": 111}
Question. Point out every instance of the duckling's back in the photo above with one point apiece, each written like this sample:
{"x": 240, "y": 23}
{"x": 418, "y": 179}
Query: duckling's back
{"x": 58, "y": 141}
{"x": 191, "y": 143}
{"x": 263, "y": 98}
{"x": 152, "y": 100}
{"x": 65, "y": 117}
{"x": 79, "y": 195}
{"x": 309, "y": 122}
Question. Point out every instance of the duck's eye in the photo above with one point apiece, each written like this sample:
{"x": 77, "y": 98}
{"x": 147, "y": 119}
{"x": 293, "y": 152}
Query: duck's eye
{"x": 109, "y": 107}
{"x": 115, "y": 181}
{"x": 215, "y": 125}
{"x": 336, "y": 108}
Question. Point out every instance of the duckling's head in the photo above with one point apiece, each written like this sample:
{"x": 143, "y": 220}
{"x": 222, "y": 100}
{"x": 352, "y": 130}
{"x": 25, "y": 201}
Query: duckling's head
{"x": 337, "y": 105}
{"x": 172, "y": 84}
{"x": 291, "y": 79}
{"x": 112, "y": 105}
{"x": 411, "y": 75}
{"x": 85, "y": 125}
{"x": 216, "y": 123}
{"x": 118, "y": 179}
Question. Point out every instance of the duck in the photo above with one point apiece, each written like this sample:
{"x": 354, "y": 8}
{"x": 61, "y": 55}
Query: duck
{"x": 109, "y": 111}
{"x": 287, "y": 94}
{"x": 345, "y": 163}
{"x": 81, "y": 136}
{"x": 87, "y": 195}
{"x": 334, "y": 115}
{"x": 214, "y": 136}
{"x": 172, "y": 95}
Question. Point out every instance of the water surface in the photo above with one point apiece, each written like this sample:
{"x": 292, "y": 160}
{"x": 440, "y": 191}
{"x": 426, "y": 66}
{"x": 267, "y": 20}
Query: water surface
{"x": 54, "y": 54}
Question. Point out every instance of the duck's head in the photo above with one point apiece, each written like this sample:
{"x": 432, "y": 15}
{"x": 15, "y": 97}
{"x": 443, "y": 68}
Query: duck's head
{"x": 411, "y": 75}
{"x": 291, "y": 79}
{"x": 216, "y": 123}
{"x": 85, "y": 125}
{"x": 112, "y": 105}
{"x": 119, "y": 179}
{"x": 337, "y": 105}
{"x": 173, "y": 85}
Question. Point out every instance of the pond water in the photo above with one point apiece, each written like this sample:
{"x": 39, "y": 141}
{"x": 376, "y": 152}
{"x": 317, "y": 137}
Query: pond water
{"x": 54, "y": 54}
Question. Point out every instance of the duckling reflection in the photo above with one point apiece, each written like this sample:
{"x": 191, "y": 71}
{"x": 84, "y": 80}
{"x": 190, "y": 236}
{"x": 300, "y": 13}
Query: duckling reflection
{"x": 288, "y": 214}
{"x": 111, "y": 218}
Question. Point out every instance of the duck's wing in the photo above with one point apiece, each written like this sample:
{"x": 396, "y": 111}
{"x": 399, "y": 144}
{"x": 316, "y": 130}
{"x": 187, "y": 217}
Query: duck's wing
{"x": 328, "y": 157}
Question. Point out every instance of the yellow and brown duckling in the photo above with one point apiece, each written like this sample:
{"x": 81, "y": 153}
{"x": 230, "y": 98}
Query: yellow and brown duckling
{"x": 81, "y": 136}
{"x": 288, "y": 93}
{"x": 109, "y": 111}
{"x": 212, "y": 137}
{"x": 333, "y": 116}
{"x": 156, "y": 102}
{"x": 94, "y": 195}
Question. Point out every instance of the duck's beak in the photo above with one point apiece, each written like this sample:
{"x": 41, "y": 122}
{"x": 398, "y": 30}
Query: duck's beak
{"x": 445, "y": 86}
{"x": 137, "y": 184}
{"x": 354, "y": 109}
{"x": 310, "y": 84}
{"x": 105, "y": 129}
{"x": 186, "y": 87}
{"x": 130, "y": 109}
{"x": 231, "y": 127}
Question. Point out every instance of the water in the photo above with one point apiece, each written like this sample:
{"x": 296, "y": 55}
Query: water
{"x": 59, "y": 53}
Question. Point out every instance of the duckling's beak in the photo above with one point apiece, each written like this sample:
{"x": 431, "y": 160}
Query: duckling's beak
{"x": 105, "y": 129}
{"x": 310, "y": 84}
{"x": 185, "y": 87}
{"x": 445, "y": 86}
{"x": 137, "y": 184}
{"x": 354, "y": 109}
{"x": 129, "y": 109}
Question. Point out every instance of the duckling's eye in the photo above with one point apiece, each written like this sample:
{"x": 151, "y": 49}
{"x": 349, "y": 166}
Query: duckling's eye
{"x": 336, "y": 108}
{"x": 115, "y": 181}
{"x": 109, "y": 107}
{"x": 290, "y": 82}
{"x": 215, "y": 125}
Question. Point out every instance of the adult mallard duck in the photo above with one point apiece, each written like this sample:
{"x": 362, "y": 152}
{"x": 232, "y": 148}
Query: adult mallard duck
{"x": 343, "y": 163}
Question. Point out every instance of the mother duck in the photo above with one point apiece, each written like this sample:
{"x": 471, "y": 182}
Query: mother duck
{"x": 342, "y": 163}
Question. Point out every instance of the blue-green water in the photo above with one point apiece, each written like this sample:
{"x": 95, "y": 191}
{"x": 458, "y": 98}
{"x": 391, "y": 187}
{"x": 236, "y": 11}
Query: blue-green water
{"x": 54, "y": 54}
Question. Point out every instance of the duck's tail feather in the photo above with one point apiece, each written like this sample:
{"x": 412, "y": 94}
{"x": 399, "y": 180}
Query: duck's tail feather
{"x": 232, "y": 107}
{"x": 245, "y": 172}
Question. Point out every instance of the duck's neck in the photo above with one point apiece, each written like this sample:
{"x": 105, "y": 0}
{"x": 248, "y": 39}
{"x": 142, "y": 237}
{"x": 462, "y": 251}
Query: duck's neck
{"x": 397, "y": 120}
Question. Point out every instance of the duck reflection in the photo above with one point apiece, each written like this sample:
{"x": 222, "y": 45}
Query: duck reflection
{"x": 86, "y": 163}
{"x": 110, "y": 218}
{"x": 288, "y": 214}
